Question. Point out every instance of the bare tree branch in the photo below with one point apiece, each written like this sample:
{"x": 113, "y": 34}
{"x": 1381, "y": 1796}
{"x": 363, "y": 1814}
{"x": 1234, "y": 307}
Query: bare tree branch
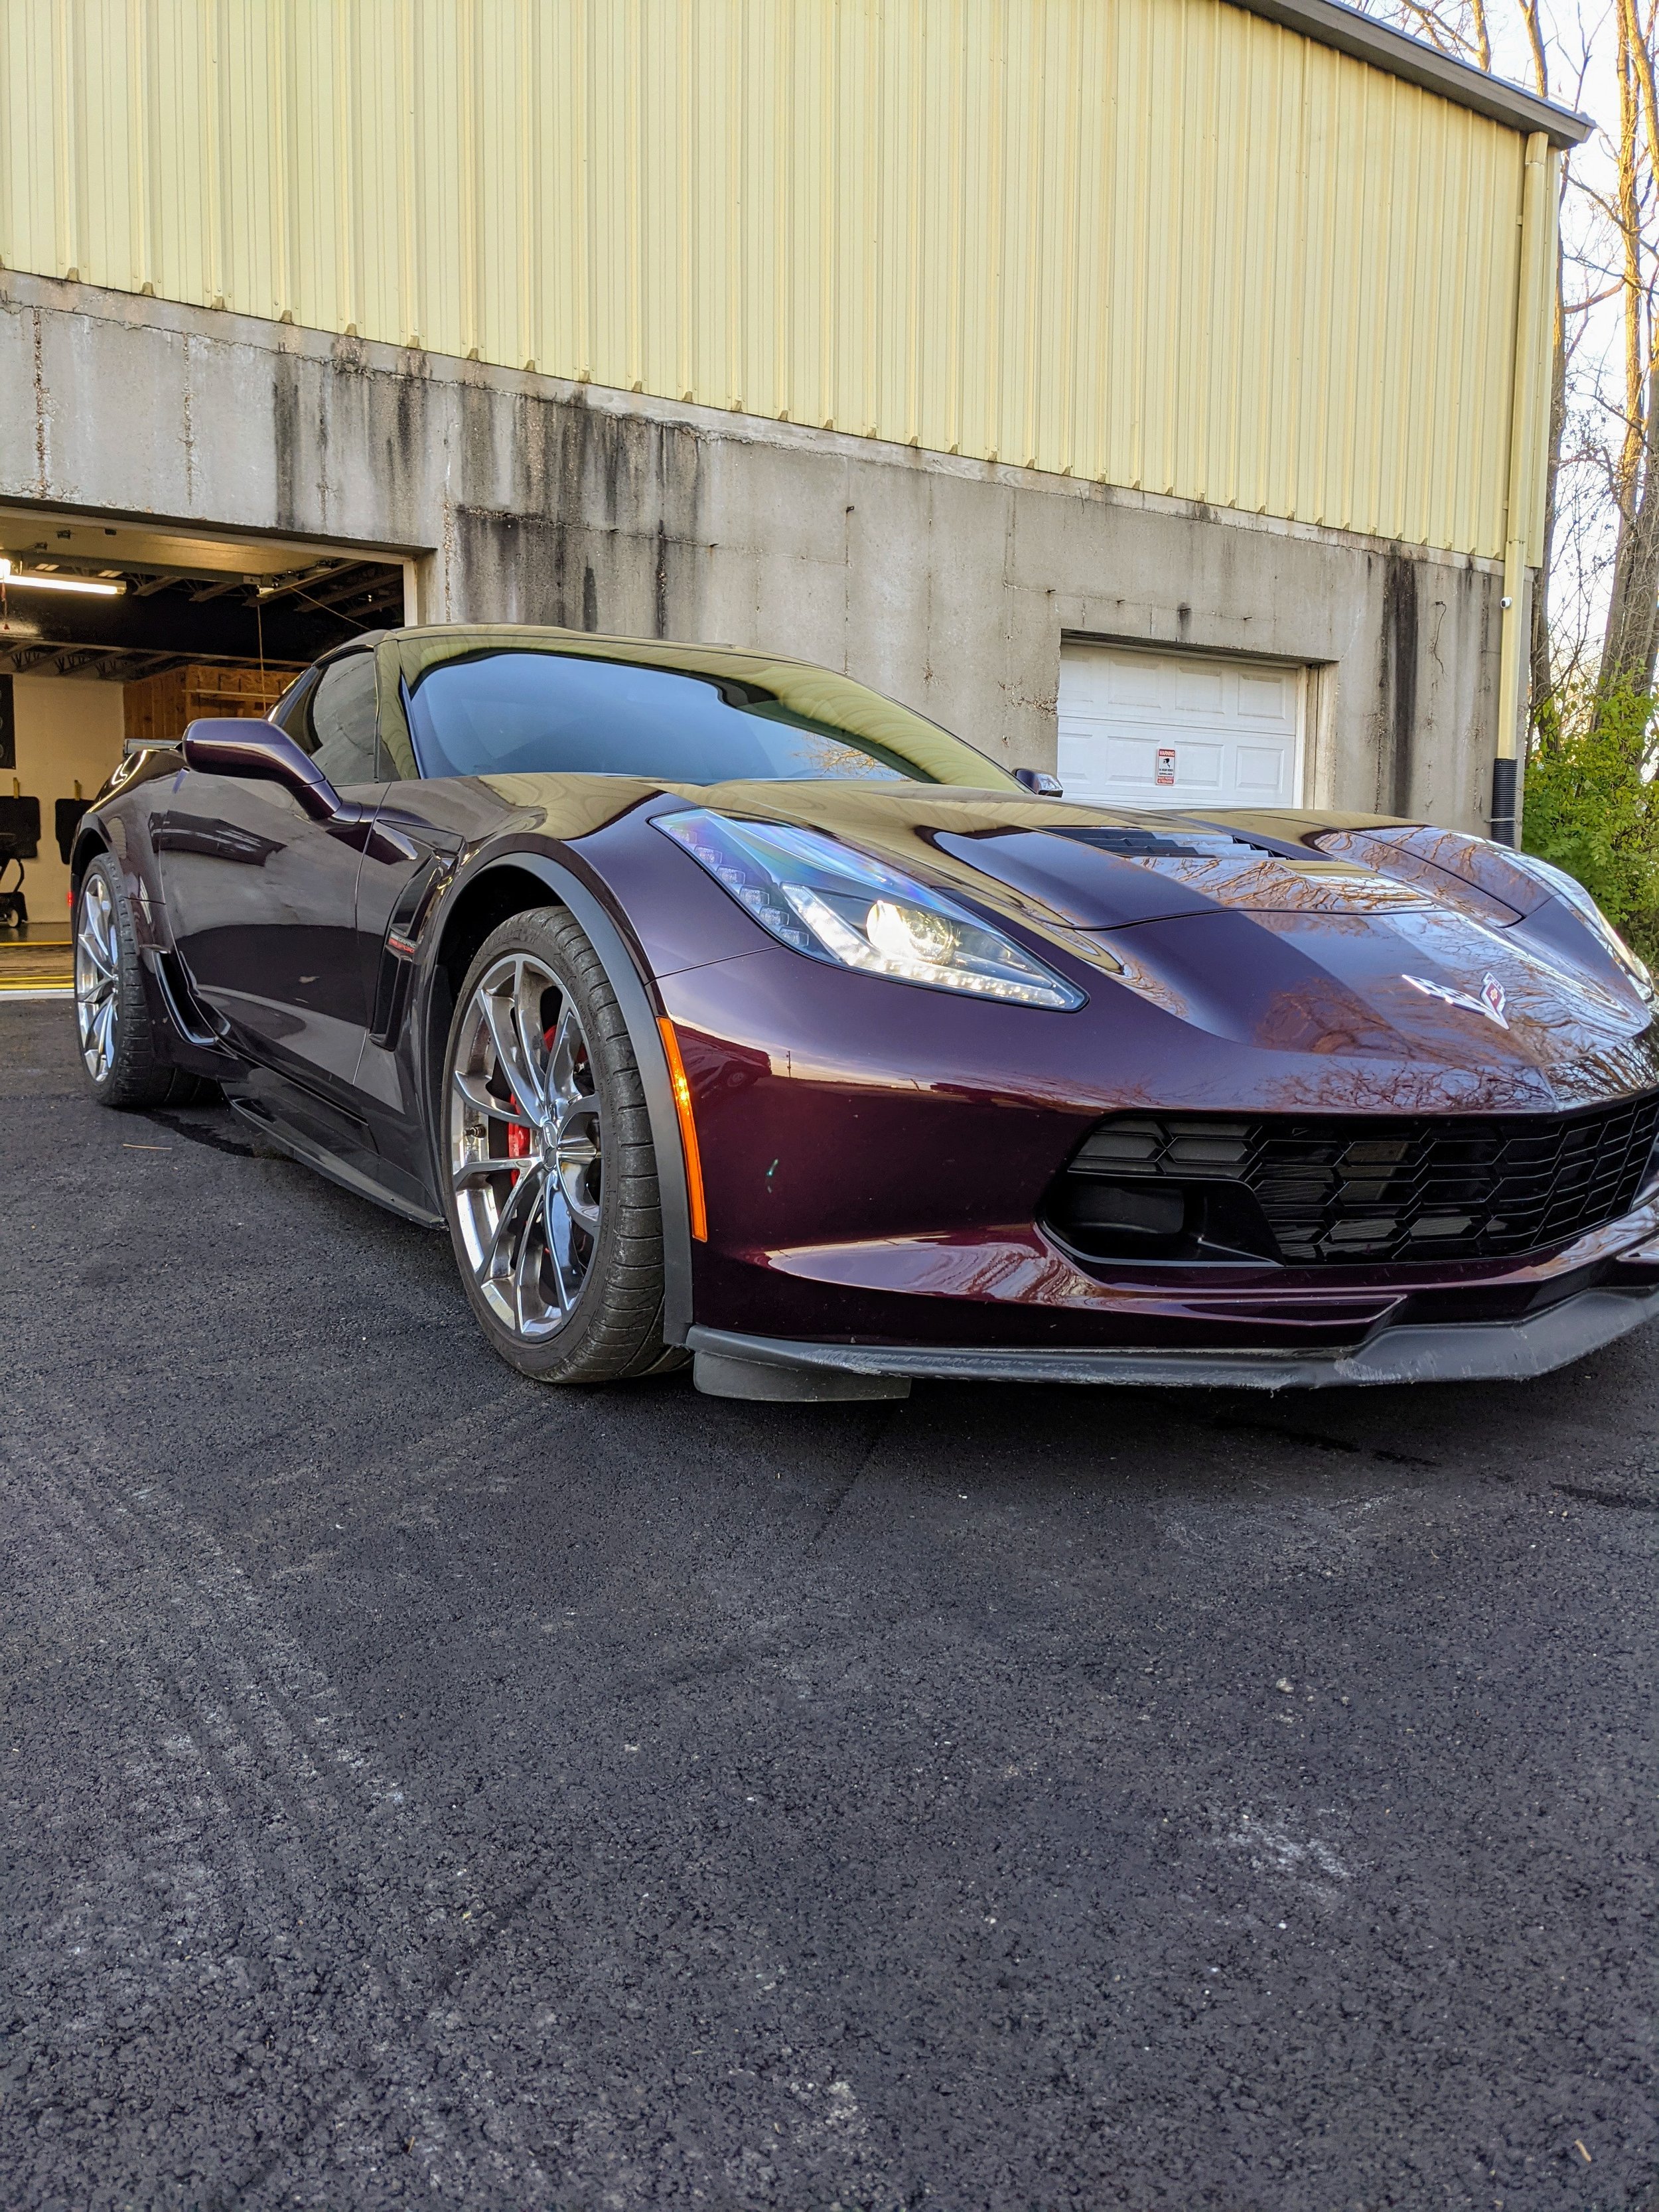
{"x": 1540, "y": 68}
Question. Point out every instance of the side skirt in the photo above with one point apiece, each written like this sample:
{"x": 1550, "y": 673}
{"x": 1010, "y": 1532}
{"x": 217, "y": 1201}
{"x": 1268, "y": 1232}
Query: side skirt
{"x": 312, "y": 1153}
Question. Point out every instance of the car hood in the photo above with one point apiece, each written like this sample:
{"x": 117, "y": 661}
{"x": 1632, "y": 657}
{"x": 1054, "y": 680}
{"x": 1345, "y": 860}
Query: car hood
{"x": 1382, "y": 942}
{"x": 1095, "y": 868}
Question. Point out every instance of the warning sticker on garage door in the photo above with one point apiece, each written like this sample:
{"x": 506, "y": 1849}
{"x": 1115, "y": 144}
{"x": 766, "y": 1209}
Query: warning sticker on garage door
{"x": 1165, "y": 764}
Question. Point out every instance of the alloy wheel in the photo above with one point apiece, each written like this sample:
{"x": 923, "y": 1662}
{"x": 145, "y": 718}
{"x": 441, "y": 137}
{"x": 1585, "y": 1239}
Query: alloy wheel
{"x": 525, "y": 1145}
{"x": 97, "y": 974}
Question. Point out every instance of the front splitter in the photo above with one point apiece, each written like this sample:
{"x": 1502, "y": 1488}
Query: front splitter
{"x": 730, "y": 1365}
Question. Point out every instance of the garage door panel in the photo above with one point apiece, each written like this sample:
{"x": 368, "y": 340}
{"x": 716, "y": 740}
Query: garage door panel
{"x": 1151, "y": 729}
{"x": 1097, "y": 760}
{"x": 1128, "y": 766}
{"x": 1200, "y": 691}
{"x": 1131, "y": 682}
{"x": 1199, "y": 768}
{"x": 1126, "y": 761}
{"x": 1268, "y": 698}
{"x": 1260, "y": 772}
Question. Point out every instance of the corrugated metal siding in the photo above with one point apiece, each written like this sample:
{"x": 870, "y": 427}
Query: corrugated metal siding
{"x": 1162, "y": 243}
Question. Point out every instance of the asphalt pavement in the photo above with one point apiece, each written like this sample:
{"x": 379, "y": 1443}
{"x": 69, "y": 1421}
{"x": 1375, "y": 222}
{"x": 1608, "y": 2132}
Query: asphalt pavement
{"x": 423, "y": 1786}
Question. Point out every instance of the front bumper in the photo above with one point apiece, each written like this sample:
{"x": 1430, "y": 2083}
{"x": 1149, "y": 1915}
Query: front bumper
{"x": 876, "y": 1163}
{"x": 730, "y": 1365}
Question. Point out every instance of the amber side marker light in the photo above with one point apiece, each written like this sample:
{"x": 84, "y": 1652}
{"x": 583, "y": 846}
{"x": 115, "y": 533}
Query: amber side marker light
{"x": 682, "y": 1089}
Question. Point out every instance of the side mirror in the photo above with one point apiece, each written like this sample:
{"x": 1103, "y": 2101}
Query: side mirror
{"x": 1040, "y": 783}
{"x": 261, "y": 750}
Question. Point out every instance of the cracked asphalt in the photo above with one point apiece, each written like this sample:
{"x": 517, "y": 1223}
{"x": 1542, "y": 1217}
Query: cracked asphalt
{"x": 421, "y": 1786}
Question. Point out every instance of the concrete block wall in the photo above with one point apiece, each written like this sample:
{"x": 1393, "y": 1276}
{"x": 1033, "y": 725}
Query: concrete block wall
{"x": 947, "y": 583}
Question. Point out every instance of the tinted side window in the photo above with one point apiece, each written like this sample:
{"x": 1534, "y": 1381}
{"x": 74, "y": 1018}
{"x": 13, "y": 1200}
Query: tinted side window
{"x": 341, "y": 720}
{"x": 290, "y": 712}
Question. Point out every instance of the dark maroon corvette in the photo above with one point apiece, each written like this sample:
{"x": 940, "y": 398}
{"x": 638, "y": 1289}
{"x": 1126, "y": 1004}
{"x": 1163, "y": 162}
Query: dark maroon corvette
{"x": 720, "y": 1006}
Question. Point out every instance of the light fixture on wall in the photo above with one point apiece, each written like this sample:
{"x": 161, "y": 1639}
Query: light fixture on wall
{"x": 13, "y": 580}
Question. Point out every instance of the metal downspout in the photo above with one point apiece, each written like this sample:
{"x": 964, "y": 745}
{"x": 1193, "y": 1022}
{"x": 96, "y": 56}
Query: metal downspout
{"x": 1532, "y": 339}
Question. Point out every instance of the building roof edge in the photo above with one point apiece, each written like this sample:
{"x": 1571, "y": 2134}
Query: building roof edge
{"x": 1367, "y": 41}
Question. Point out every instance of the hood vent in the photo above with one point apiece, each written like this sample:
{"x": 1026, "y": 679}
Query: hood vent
{"x": 1133, "y": 844}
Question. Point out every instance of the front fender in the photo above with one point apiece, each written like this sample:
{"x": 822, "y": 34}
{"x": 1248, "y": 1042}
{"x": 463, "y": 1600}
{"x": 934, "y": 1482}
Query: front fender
{"x": 635, "y": 997}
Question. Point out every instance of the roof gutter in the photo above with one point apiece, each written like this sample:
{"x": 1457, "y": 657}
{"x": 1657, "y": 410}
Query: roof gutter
{"x": 1350, "y": 32}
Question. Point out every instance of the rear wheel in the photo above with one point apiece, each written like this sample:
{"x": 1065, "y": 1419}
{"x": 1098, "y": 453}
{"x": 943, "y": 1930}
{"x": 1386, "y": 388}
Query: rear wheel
{"x": 552, "y": 1177}
{"x": 121, "y": 1051}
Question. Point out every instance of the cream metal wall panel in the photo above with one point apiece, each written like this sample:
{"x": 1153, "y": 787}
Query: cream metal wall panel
{"x": 1165, "y": 244}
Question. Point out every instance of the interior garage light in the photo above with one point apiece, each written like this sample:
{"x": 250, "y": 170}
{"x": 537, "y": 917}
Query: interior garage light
{"x": 13, "y": 580}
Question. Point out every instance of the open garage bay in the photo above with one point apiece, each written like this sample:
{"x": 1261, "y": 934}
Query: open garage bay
{"x": 421, "y": 1785}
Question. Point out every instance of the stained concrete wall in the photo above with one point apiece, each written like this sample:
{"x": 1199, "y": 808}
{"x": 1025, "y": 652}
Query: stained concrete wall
{"x": 947, "y": 583}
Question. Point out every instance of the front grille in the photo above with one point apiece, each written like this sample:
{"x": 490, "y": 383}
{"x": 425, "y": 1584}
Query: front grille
{"x": 1353, "y": 1190}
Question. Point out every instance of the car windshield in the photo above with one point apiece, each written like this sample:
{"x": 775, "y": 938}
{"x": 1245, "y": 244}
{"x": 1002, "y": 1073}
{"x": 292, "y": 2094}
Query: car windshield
{"x": 512, "y": 711}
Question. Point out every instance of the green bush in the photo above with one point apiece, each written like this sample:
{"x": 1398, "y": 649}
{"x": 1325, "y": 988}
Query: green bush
{"x": 1592, "y": 806}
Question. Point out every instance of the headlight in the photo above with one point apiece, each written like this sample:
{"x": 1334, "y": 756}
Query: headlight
{"x": 825, "y": 899}
{"x": 1569, "y": 889}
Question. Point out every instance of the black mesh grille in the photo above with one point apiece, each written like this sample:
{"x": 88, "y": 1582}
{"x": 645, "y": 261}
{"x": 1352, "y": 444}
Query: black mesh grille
{"x": 1363, "y": 1190}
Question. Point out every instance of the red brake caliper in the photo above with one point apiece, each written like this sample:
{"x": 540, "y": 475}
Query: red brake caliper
{"x": 518, "y": 1137}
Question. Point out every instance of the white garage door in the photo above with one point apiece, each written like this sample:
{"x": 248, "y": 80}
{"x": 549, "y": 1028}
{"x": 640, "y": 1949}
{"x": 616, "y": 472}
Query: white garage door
{"x": 1159, "y": 729}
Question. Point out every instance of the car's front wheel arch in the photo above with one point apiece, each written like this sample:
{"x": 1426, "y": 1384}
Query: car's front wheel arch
{"x": 89, "y": 844}
{"x": 516, "y": 885}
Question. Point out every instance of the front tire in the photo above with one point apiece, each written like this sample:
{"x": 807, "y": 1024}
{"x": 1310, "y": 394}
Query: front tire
{"x": 550, "y": 1176}
{"x": 121, "y": 1055}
